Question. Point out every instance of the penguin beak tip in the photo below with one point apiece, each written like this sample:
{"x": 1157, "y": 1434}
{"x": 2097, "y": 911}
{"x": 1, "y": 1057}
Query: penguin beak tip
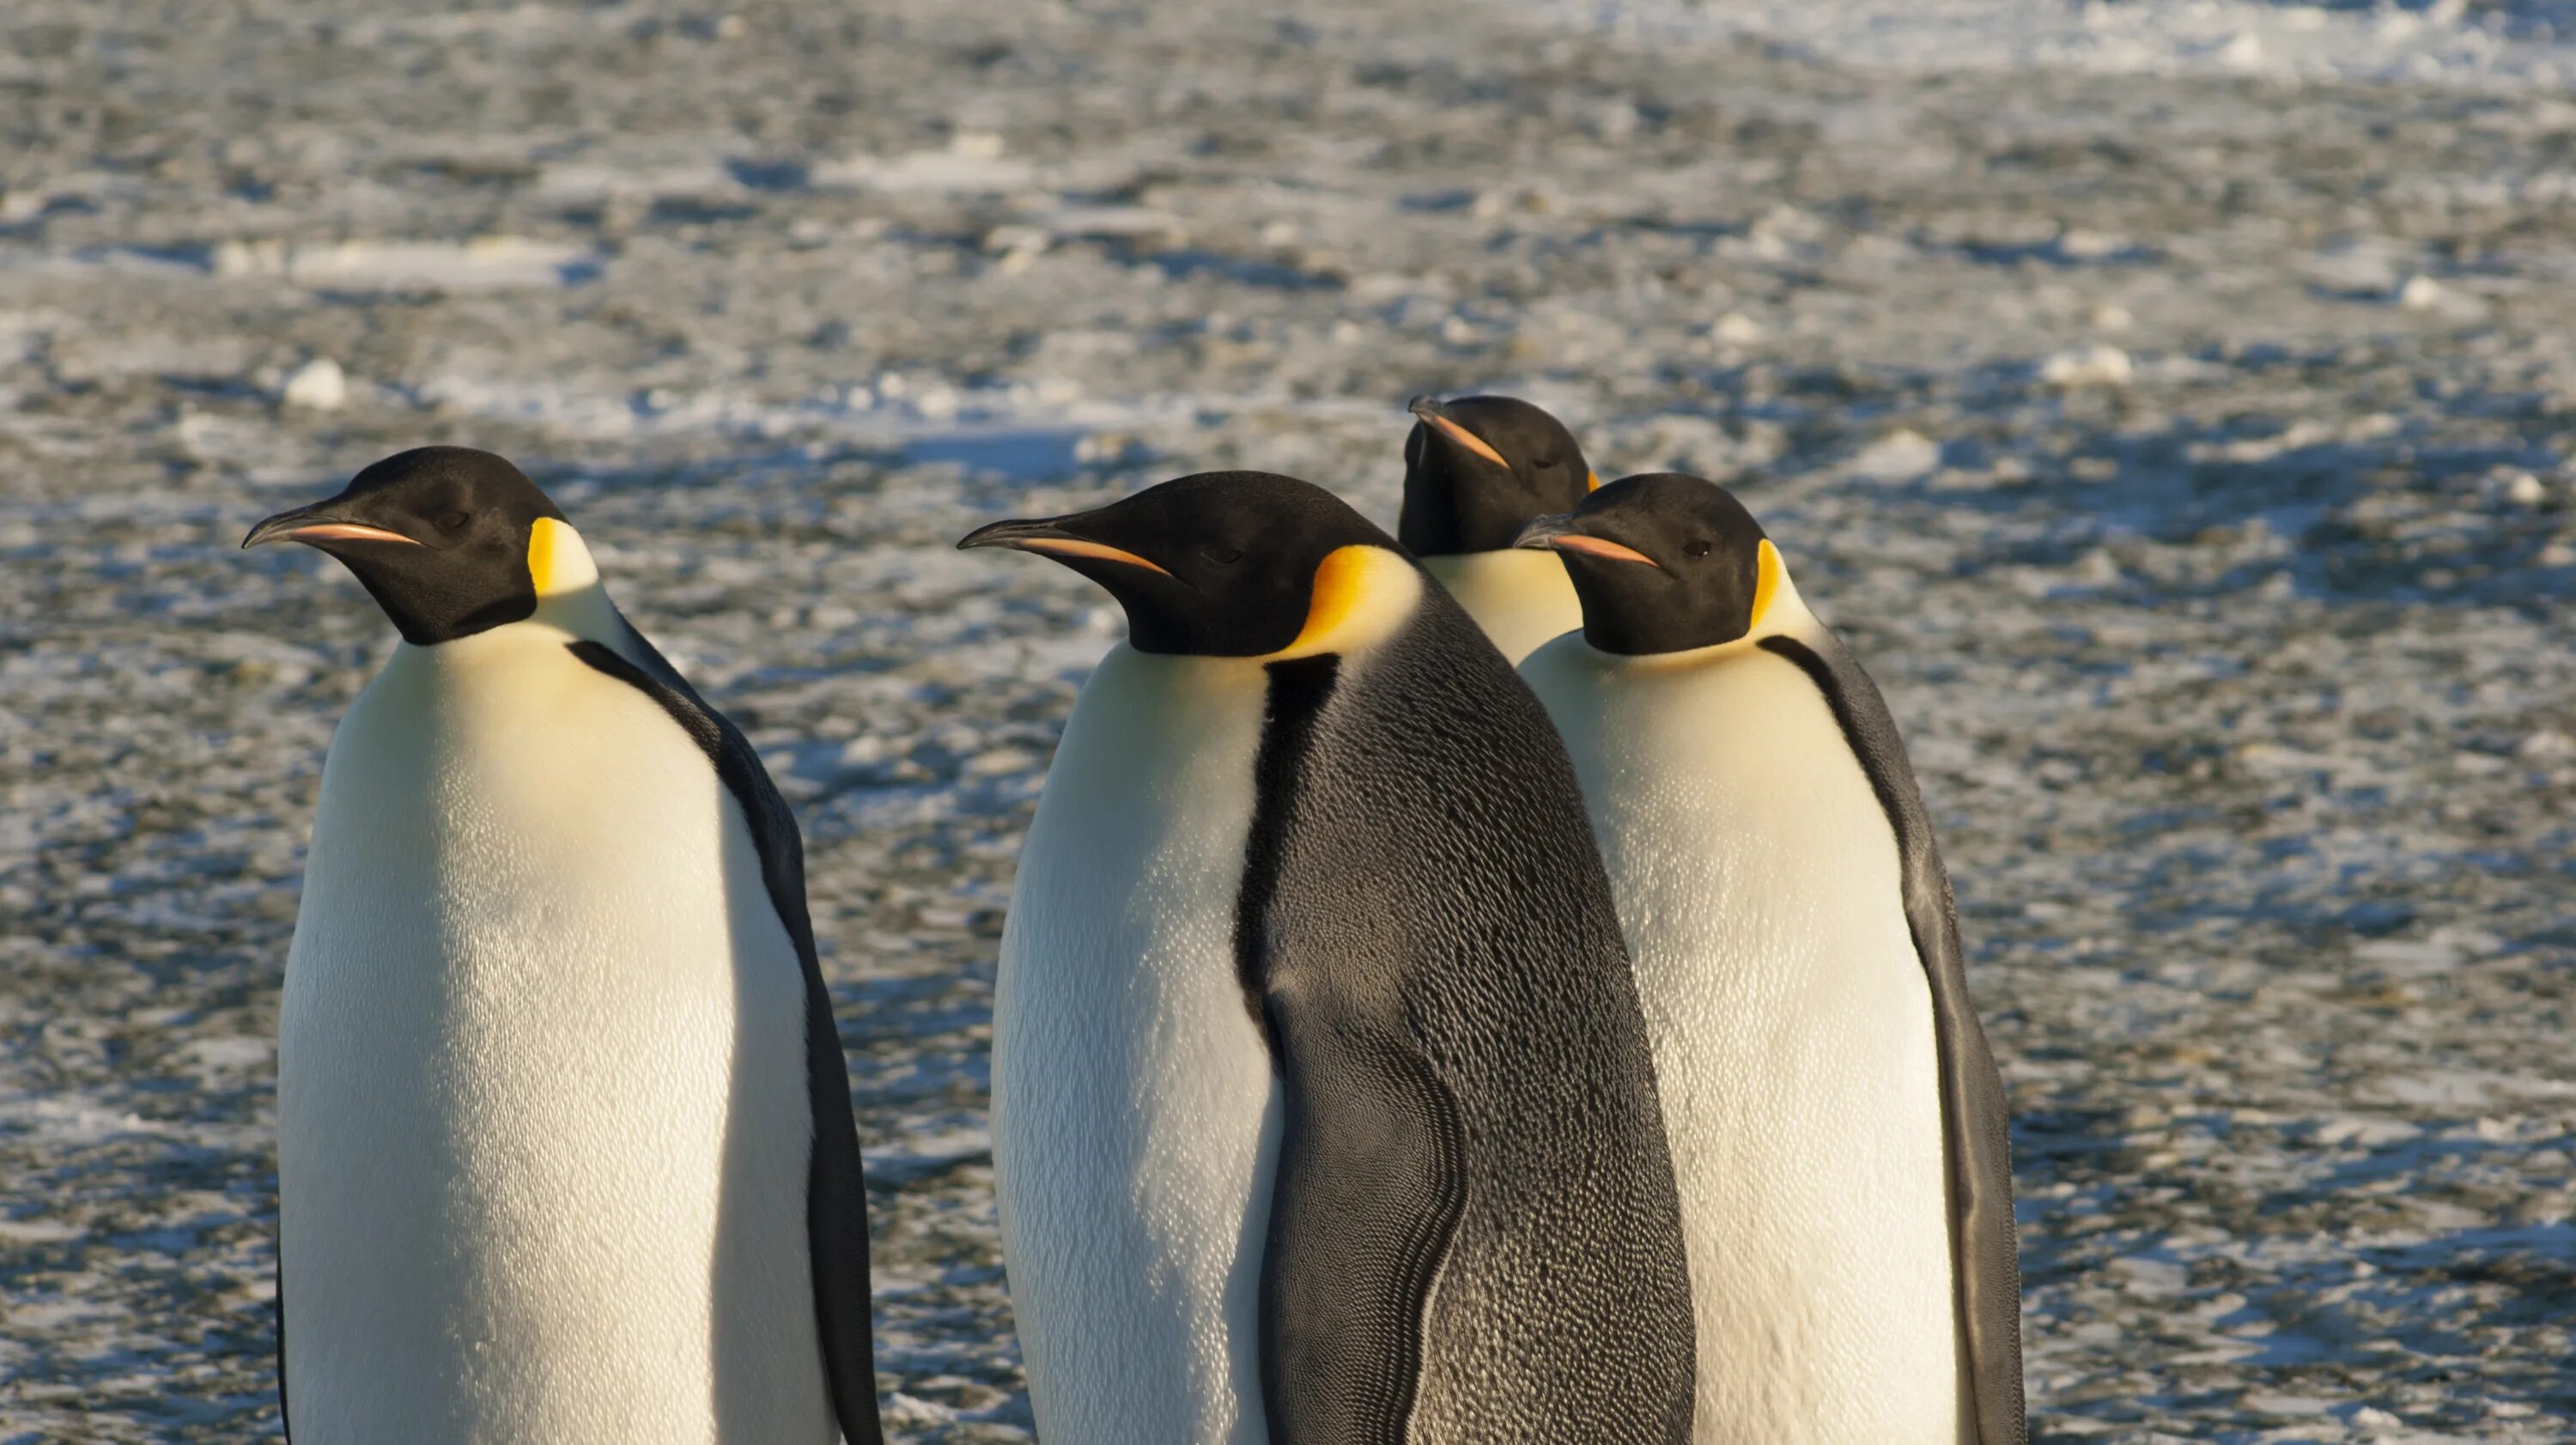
{"x": 269, "y": 531}
{"x": 996, "y": 534}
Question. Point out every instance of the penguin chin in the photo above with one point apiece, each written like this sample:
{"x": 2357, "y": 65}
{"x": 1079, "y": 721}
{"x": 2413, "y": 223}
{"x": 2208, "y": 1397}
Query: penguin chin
{"x": 1495, "y": 516}
{"x": 1635, "y": 610}
{"x": 1158, "y": 621}
{"x": 428, "y": 609}
{"x": 1456, "y": 504}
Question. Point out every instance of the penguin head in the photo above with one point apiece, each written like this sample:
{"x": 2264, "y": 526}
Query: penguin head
{"x": 449, "y": 541}
{"x": 1478, "y": 468}
{"x": 1663, "y": 563}
{"x": 1231, "y": 564}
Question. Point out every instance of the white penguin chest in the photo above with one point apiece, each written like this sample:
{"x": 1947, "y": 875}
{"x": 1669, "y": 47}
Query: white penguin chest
{"x": 1757, "y": 879}
{"x": 542, "y": 1109}
{"x": 1135, "y": 1114}
{"x": 1520, "y": 598}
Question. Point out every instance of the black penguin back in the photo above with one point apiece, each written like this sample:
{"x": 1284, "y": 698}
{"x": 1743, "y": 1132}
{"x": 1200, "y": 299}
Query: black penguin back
{"x": 1475, "y": 1225}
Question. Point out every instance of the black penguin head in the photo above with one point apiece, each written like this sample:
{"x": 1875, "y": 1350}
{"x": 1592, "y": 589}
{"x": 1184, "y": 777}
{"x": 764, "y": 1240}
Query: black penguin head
{"x": 1477, "y": 469}
{"x": 447, "y": 539}
{"x": 1221, "y": 564}
{"x": 1663, "y": 563}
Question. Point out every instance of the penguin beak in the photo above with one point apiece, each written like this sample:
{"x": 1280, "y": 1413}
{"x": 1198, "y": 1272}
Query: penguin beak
{"x": 316, "y": 524}
{"x": 1557, "y": 534}
{"x": 1048, "y": 535}
{"x": 1436, "y": 417}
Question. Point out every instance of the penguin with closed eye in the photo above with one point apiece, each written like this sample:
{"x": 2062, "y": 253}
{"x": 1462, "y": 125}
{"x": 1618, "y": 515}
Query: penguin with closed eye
{"x": 1323, "y": 1108}
{"x": 565, "y": 1148}
{"x": 1837, "y": 1124}
{"x": 1476, "y": 471}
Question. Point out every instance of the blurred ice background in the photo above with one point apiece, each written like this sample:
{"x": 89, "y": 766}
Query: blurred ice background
{"x": 2172, "y": 401}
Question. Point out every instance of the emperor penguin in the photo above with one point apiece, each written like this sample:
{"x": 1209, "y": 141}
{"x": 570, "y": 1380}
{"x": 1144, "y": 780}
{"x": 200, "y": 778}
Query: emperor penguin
{"x": 1836, "y": 1121}
{"x": 1323, "y": 1109}
{"x": 565, "y": 1146}
{"x": 1477, "y": 470}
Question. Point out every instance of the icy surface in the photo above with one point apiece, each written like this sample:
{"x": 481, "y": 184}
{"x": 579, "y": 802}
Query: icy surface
{"x": 2184, "y": 443}
{"x": 2490, "y": 44}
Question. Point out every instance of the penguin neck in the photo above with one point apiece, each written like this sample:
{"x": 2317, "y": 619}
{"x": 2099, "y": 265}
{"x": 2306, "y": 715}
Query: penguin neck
{"x": 572, "y": 606}
{"x": 558, "y": 623}
{"x": 1785, "y": 616}
{"x": 582, "y": 615}
{"x": 1521, "y": 598}
{"x": 1524, "y": 572}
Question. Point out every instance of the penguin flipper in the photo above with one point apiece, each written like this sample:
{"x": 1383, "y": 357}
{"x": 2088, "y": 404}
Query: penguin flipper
{"x": 836, "y": 1190}
{"x": 285, "y": 1428}
{"x": 838, "y": 1229}
{"x": 836, "y": 1226}
{"x": 1976, "y": 1133}
{"x": 1371, "y": 1185}
{"x": 1976, "y": 1122}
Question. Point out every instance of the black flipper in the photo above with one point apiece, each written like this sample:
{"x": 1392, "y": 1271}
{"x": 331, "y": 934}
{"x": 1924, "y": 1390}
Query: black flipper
{"x": 285, "y": 1430}
{"x": 1975, "y": 1121}
{"x": 1359, "y": 1222}
{"x": 836, "y": 1191}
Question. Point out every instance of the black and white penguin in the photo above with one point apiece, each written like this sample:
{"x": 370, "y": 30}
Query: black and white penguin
{"x": 565, "y": 1148}
{"x": 1477, "y": 470}
{"x": 1323, "y": 1107}
{"x": 1837, "y": 1123}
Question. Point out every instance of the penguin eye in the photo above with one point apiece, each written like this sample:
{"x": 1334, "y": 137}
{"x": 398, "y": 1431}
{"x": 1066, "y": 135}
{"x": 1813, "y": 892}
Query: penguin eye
{"x": 1221, "y": 554}
{"x": 1696, "y": 549}
{"x": 453, "y": 521}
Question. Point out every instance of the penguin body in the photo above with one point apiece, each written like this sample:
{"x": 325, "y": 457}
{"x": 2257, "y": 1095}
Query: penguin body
{"x": 565, "y": 1150}
{"x": 1476, "y": 470}
{"x": 1323, "y": 1107}
{"x": 1795, "y": 1032}
{"x": 1837, "y": 1124}
{"x": 1135, "y": 1116}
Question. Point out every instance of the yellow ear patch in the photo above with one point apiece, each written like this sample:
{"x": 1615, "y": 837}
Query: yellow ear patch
{"x": 558, "y": 561}
{"x": 1591, "y": 481}
{"x": 1341, "y": 584}
{"x": 541, "y": 554}
{"x": 1362, "y": 594}
{"x": 1765, "y": 584}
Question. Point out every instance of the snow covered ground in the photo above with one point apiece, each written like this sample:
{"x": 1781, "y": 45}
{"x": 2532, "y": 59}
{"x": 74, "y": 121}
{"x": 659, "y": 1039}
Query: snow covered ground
{"x": 2173, "y": 402}
{"x": 2487, "y": 44}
